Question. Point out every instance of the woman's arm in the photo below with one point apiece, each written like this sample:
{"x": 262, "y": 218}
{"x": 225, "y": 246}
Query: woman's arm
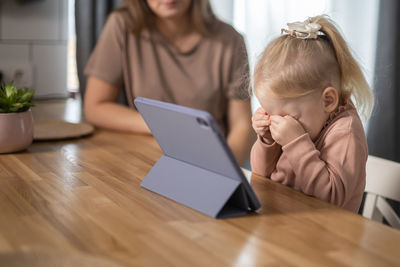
{"x": 102, "y": 110}
{"x": 240, "y": 134}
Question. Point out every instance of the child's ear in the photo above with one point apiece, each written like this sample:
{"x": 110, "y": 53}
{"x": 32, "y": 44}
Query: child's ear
{"x": 330, "y": 99}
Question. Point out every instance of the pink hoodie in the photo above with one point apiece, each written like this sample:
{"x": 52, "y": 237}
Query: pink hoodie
{"x": 332, "y": 168}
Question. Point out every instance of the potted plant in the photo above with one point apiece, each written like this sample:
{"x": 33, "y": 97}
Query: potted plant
{"x": 16, "y": 120}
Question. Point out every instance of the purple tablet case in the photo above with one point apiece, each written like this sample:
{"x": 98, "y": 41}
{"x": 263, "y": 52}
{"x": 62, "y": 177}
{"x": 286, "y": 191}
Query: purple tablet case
{"x": 198, "y": 168}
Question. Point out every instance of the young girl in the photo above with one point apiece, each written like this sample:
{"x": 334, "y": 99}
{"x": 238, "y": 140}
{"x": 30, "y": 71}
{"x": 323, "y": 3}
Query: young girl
{"x": 310, "y": 136}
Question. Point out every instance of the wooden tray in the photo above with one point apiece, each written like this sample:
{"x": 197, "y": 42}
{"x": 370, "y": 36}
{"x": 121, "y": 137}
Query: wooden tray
{"x": 59, "y": 130}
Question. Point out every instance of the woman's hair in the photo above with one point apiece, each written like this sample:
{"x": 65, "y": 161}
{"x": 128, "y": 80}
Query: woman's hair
{"x": 138, "y": 15}
{"x": 291, "y": 66}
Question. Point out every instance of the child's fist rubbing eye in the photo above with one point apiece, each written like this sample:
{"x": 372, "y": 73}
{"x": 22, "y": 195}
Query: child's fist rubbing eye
{"x": 261, "y": 122}
{"x": 285, "y": 129}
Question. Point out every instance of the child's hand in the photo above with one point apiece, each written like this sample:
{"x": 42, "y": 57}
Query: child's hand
{"x": 285, "y": 129}
{"x": 261, "y": 122}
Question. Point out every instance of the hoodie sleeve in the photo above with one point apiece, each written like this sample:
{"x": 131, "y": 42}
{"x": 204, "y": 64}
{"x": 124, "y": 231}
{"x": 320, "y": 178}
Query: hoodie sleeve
{"x": 334, "y": 173}
{"x": 264, "y": 156}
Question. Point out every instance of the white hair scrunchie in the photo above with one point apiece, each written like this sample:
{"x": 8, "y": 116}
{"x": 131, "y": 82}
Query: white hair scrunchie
{"x": 303, "y": 30}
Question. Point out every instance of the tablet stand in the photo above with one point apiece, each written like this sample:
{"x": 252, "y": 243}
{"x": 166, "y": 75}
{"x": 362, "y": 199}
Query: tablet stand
{"x": 208, "y": 192}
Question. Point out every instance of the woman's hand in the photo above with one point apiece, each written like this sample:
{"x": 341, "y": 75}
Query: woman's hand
{"x": 285, "y": 129}
{"x": 261, "y": 122}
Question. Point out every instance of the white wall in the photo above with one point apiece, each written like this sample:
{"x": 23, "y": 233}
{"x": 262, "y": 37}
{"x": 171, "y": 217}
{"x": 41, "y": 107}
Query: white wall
{"x": 33, "y": 40}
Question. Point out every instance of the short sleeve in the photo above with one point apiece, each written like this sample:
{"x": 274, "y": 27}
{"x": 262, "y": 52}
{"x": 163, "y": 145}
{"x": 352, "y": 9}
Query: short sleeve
{"x": 105, "y": 61}
{"x": 239, "y": 77}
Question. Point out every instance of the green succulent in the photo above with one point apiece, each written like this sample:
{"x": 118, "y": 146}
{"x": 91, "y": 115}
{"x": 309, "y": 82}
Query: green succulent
{"x": 13, "y": 99}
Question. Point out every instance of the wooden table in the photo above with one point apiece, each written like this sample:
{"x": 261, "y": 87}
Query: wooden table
{"x": 79, "y": 203}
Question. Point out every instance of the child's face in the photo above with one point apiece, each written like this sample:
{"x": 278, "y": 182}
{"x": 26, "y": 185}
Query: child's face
{"x": 308, "y": 109}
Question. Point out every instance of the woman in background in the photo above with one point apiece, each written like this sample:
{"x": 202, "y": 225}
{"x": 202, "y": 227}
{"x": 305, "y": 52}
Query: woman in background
{"x": 175, "y": 51}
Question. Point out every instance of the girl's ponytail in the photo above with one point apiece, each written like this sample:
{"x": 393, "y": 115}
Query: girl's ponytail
{"x": 353, "y": 82}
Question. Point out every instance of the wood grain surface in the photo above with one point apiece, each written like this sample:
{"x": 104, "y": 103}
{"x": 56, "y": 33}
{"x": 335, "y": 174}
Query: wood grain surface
{"x": 80, "y": 201}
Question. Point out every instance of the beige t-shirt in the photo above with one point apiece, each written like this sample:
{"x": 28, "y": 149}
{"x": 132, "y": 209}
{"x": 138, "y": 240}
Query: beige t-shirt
{"x": 214, "y": 70}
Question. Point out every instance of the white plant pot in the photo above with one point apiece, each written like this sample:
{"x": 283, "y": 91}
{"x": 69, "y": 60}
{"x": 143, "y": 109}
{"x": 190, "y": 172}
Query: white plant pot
{"x": 16, "y": 131}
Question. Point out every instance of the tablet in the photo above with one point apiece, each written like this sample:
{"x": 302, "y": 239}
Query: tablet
{"x": 198, "y": 168}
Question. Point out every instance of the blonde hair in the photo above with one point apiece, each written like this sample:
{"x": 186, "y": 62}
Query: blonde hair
{"x": 291, "y": 67}
{"x": 138, "y": 15}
